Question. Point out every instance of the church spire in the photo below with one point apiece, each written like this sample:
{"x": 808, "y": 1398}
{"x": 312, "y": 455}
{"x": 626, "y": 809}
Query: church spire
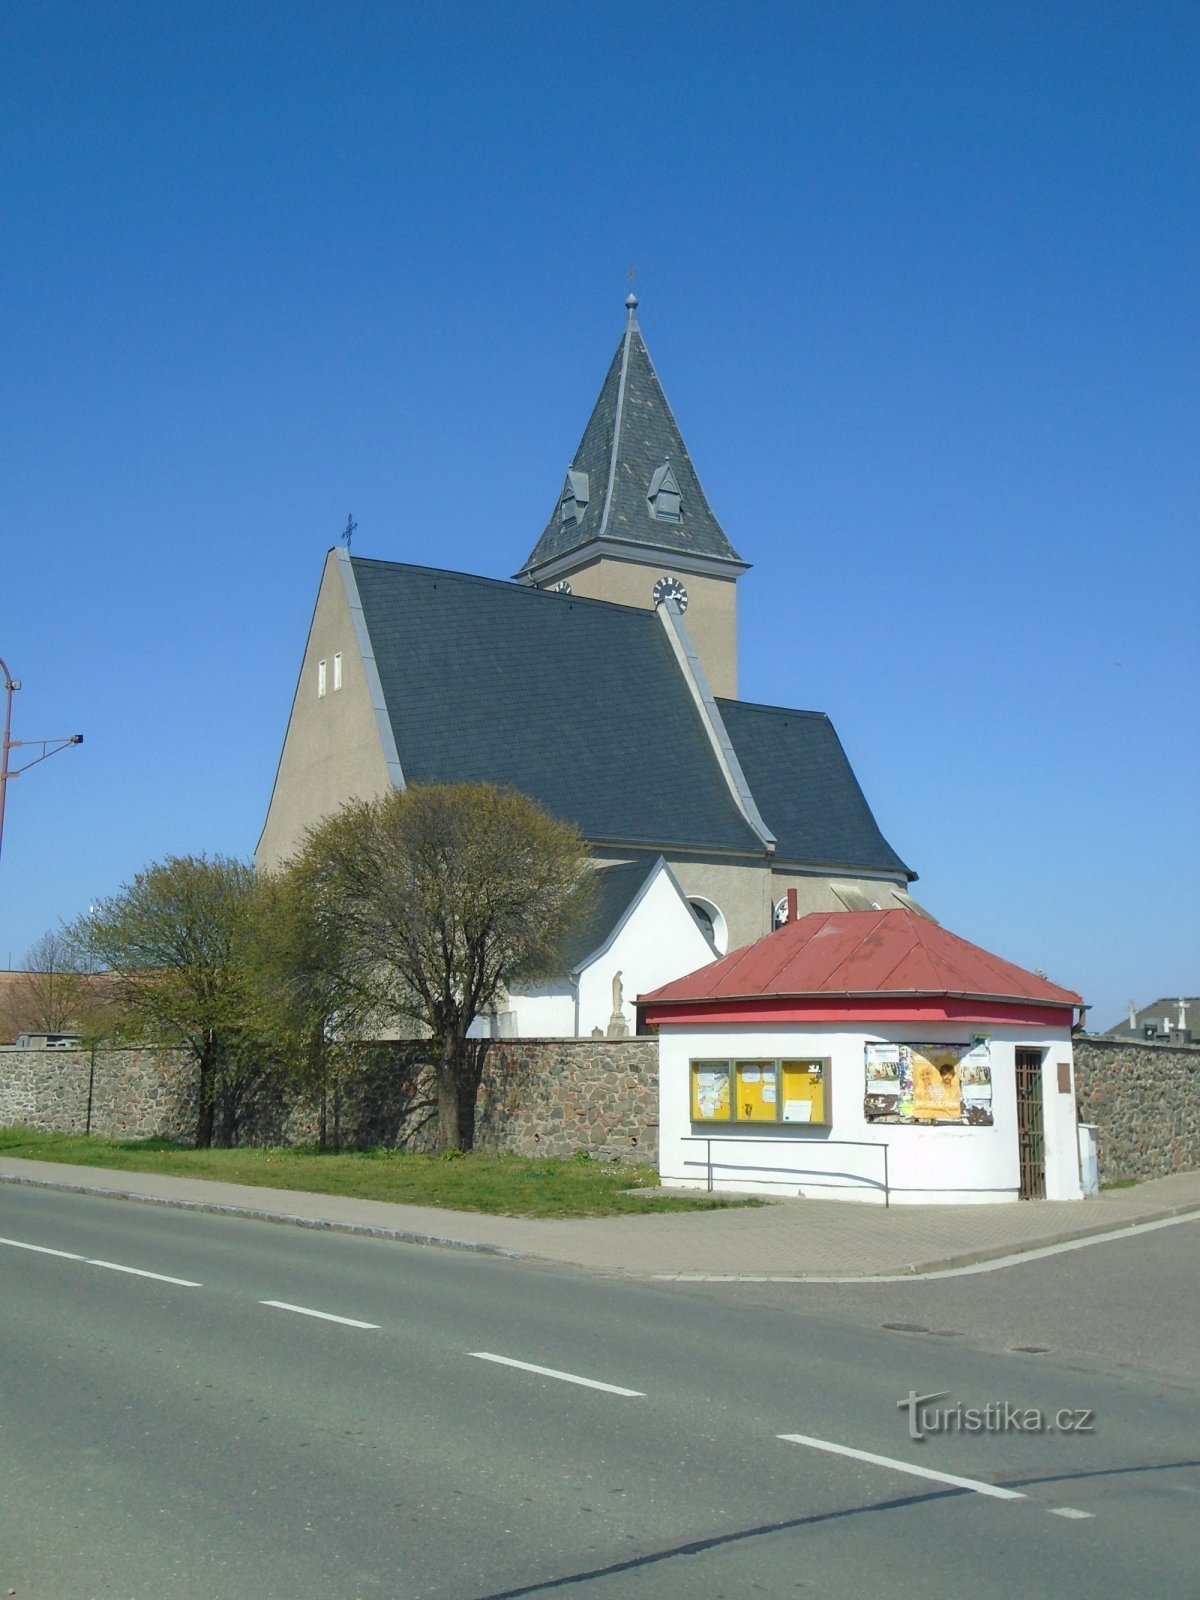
{"x": 631, "y": 491}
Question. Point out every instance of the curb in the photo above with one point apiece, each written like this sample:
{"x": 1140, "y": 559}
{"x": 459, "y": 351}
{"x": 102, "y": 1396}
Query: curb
{"x": 322, "y": 1224}
{"x": 912, "y": 1271}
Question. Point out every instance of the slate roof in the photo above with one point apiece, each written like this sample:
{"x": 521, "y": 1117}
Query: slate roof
{"x": 578, "y": 703}
{"x": 617, "y": 887}
{"x": 630, "y": 435}
{"x": 1154, "y": 1015}
{"x": 805, "y": 788}
{"x": 859, "y": 954}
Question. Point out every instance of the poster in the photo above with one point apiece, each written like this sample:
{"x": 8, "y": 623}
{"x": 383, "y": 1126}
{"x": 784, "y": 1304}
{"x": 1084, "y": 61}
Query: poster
{"x": 929, "y": 1083}
{"x": 712, "y": 1093}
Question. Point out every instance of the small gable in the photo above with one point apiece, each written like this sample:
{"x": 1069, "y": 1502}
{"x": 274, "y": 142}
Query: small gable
{"x": 573, "y": 501}
{"x": 663, "y": 495}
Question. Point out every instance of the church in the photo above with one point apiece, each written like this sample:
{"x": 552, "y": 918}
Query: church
{"x": 602, "y": 682}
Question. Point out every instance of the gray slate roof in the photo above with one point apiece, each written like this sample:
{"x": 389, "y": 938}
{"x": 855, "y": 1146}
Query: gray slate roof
{"x": 630, "y": 435}
{"x": 617, "y": 887}
{"x": 578, "y": 703}
{"x": 805, "y": 788}
{"x": 1154, "y": 1015}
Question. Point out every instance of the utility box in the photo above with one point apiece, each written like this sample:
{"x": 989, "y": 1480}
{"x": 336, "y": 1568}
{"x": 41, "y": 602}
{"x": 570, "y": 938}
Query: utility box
{"x": 1089, "y": 1166}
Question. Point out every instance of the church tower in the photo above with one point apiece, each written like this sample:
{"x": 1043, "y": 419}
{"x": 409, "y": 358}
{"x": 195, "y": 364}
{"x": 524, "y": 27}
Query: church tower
{"x": 632, "y": 524}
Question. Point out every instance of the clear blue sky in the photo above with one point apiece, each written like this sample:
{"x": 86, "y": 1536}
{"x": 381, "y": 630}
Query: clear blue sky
{"x": 921, "y": 285}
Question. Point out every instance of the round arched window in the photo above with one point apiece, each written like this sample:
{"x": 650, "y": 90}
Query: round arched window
{"x": 712, "y": 921}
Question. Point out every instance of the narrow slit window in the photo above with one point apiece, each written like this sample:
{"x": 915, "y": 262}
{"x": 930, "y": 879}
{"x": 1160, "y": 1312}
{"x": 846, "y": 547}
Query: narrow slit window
{"x": 320, "y": 680}
{"x": 337, "y": 671}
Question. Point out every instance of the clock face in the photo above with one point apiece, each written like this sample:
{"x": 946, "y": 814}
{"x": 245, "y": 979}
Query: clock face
{"x": 670, "y": 589}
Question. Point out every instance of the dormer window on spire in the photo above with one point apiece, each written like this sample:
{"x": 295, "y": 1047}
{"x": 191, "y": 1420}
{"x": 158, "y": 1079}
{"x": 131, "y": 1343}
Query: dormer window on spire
{"x": 664, "y": 495}
{"x": 574, "y": 498}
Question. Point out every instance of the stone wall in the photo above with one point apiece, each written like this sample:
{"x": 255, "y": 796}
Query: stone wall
{"x": 115, "y": 1093}
{"x": 1145, "y": 1102}
{"x": 536, "y": 1097}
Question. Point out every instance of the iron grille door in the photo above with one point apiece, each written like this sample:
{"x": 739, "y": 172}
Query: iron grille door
{"x": 1031, "y": 1139}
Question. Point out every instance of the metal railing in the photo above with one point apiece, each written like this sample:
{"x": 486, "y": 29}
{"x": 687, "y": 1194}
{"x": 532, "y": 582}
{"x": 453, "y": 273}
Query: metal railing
{"x": 795, "y": 1173}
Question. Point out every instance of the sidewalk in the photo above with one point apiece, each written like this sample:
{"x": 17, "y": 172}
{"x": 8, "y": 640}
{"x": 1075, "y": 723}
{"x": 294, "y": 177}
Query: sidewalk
{"x": 803, "y": 1239}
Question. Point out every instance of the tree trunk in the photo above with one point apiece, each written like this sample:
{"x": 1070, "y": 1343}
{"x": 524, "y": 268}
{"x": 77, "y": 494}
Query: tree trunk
{"x": 449, "y": 1119}
{"x": 204, "y": 1109}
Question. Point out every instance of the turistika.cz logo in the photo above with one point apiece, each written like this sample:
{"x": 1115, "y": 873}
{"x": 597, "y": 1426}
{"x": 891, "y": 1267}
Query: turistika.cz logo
{"x": 925, "y": 1416}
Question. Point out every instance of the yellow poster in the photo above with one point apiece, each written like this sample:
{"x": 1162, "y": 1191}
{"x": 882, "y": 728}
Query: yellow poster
{"x": 936, "y": 1083}
{"x": 710, "y": 1091}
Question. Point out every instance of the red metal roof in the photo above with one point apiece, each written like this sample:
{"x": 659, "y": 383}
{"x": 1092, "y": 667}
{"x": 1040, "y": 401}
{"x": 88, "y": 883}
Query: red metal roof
{"x": 857, "y": 954}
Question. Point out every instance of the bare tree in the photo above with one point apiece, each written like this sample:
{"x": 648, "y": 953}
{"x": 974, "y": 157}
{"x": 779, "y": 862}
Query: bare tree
{"x": 52, "y": 993}
{"x": 437, "y": 897}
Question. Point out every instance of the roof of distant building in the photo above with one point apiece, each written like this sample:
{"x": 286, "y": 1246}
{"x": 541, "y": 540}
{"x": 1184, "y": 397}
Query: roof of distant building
{"x": 1163, "y": 1017}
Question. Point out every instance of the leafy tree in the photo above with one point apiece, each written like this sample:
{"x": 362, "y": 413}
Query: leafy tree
{"x": 435, "y": 898}
{"x": 176, "y": 943}
{"x": 296, "y": 971}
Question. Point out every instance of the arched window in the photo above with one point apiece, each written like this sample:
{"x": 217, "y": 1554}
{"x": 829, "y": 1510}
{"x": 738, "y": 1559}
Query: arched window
{"x": 712, "y": 921}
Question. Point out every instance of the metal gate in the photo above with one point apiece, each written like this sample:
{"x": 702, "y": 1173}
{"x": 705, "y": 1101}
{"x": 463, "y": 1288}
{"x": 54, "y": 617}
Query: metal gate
{"x": 1031, "y": 1140}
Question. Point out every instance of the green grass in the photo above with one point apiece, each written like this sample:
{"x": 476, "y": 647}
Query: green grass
{"x": 1121, "y": 1183}
{"x": 514, "y": 1186}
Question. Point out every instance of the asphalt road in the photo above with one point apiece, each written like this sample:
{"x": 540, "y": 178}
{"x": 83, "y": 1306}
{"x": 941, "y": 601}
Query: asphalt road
{"x": 218, "y": 1436}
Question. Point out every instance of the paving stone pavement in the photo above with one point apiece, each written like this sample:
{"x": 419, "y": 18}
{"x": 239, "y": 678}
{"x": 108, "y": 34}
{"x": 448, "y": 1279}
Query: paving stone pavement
{"x": 787, "y": 1239}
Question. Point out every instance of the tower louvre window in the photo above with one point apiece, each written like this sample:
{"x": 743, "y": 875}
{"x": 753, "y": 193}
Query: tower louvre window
{"x": 664, "y": 496}
{"x": 573, "y": 501}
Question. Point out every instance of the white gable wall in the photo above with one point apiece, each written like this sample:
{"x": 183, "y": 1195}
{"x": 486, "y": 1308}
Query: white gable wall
{"x": 660, "y": 941}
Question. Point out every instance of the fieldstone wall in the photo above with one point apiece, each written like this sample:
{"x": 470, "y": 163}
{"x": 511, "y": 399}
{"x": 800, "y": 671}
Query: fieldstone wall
{"x": 115, "y": 1093}
{"x": 1145, "y": 1102}
{"x": 536, "y": 1097}
{"x": 553, "y": 1097}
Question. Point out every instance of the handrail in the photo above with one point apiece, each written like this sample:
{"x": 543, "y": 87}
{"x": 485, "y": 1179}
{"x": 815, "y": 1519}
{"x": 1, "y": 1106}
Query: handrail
{"x": 824, "y": 1144}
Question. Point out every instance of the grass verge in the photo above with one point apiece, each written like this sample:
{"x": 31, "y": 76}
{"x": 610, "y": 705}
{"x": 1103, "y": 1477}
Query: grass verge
{"x": 514, "y": 1186}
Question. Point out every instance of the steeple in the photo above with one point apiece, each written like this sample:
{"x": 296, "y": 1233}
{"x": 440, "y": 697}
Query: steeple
{"x": 631, "y": 481}
{"x": 631, "y": 522}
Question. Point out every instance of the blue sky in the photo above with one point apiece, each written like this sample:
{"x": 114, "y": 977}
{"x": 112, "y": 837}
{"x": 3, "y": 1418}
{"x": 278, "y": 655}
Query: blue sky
{"x": 920, "y": 282}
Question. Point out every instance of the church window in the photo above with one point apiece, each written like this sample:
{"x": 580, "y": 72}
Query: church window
{"x": 713, "y": 922}
{"x": 573, "y": 501}
{"x": 337, "y": 671}
{"x": 320, "y": 680}
{"x": 664, "y": 497}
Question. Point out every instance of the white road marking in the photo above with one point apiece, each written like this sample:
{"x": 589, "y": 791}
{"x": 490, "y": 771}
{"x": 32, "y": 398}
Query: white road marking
{"x": 139, "y": 1272}
{"x": 91, "y": 1261}
{"x": 42, "y": 1250}
{"x": 325, "y": 1316}
{"x": 994, "y": 1264}
{"x": 974, "y": 1484}
{"x": 1069, "y": 1511}
{"x": 552, "y": 1372}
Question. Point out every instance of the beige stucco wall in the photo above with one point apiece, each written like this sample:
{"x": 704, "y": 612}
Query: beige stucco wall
{"x": 332, "y": 751}
{"x": 711, "y": 613}
{"x": 746, "y": 893}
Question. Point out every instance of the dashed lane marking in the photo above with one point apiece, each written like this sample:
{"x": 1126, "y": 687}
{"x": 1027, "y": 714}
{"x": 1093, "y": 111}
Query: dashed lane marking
{"x": 552, "y": 1372}
{"x": 324, "y": 1316}
{"x": 94, "y": 1261}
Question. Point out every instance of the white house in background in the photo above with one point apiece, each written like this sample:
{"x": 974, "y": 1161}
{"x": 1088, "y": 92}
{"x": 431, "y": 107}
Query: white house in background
{"x": 869, "y": 1056}
{"x": 642, "y": 931}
